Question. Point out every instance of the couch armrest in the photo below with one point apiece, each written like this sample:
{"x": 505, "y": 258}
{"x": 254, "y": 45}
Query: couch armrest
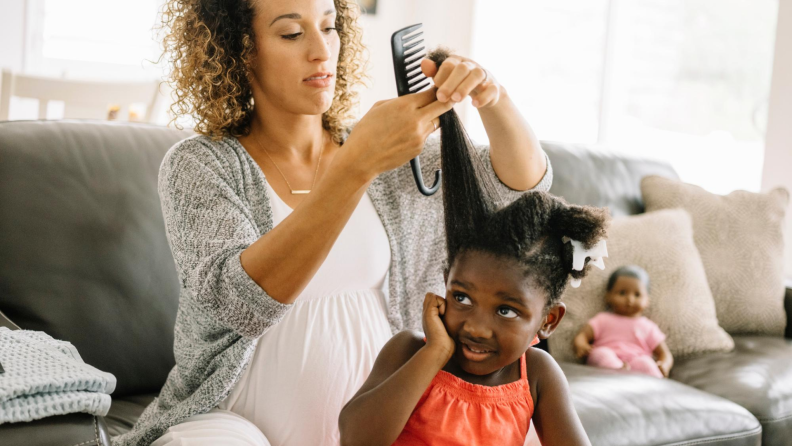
{"x": 6, "y": 322}
{"x": 61, "y": 430}
{"x": 788, "y": 307}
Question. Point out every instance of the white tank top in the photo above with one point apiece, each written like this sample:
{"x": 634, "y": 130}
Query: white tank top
{"x": 310, "y": 364}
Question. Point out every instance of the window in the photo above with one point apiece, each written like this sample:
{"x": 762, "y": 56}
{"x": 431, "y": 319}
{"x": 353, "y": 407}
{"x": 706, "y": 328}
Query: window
{"x": 548, "y": 54}
{"x": 686, "y": 81}
{"x": 107, "y": 40}
{"x": 93, "y": 39}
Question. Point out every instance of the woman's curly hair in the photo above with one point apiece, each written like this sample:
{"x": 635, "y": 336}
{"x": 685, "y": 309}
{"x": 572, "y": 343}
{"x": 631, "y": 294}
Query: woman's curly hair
{"x": 210, "y": 46}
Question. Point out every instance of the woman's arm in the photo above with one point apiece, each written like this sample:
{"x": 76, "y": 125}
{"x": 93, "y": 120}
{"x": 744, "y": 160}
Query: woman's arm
{"x": 208, "y": 225}
{"x": 583, "y": 340}
{"x": 284, "y": 260}
{"x": 517, "y": 157}
{"x": 665, "y": 360}
{"x": 555, "y": 419}
{"x": 245, "y": 279}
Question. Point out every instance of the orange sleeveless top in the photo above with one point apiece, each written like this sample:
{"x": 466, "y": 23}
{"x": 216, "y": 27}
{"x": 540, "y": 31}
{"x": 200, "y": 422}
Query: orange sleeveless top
{"x": 454, "y": 412}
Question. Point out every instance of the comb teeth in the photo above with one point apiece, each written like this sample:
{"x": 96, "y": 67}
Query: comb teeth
{"x": 404, "y": 32}
{"x": 412, "y": 66}
{"x": 412, "y": 45}
{"x": 416, "y": 74}
{"x": 417, "y": 80}
{"x": 410, "y": 37}
{"x": 419, "y": 87}
{"x": 412, "y": 58}
{"x": 408, "y": 51}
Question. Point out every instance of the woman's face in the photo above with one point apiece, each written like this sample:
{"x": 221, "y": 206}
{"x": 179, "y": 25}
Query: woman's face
{"x": 492, "y": 311}
{"x": 296, "y": 42}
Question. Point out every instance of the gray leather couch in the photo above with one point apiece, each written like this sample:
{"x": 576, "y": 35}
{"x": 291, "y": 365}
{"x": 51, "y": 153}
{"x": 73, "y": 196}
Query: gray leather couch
{"x": 84, "y": 257}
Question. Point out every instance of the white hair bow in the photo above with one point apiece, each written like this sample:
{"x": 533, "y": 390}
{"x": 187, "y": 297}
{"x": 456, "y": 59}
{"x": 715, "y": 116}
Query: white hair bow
{"x": 580, "y": 254}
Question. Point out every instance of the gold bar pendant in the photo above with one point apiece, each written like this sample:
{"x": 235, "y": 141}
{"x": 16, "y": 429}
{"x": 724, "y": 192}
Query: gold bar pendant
{"x": 300, "y": 192}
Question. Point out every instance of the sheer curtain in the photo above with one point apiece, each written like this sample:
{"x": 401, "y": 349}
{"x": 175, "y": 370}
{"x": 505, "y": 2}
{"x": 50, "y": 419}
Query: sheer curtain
{"x": 103, "y": 39}
{"x": 685, "y": 81}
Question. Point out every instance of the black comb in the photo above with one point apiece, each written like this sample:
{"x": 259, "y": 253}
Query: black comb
{"x": 407, "y": 55}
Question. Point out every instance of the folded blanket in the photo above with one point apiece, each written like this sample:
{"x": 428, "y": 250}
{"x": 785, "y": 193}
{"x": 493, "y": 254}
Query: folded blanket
{"x": 45, "y": 377}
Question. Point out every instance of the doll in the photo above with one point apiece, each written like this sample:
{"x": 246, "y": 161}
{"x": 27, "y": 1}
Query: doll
{"x": 623, "y": 338}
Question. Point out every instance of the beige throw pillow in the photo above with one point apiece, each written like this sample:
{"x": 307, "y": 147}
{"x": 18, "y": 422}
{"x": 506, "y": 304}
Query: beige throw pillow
{"x": 680, "y": 300}
{"x": 741, "y": 241}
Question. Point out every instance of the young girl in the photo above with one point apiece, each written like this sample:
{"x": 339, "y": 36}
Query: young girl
{"x": 471, "y": 377}
{"x": 624, "y": 338}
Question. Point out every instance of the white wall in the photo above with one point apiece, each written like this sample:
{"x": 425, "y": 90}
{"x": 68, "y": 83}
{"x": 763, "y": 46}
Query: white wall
{"x": 778, "y": 140}
{"x": 377, "y": 29}
{"x": 12, "y": 32}
{"x": 446, "y": 22}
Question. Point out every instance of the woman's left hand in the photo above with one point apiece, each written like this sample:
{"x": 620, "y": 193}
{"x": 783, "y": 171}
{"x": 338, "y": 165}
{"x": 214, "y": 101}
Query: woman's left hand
{"x": 459, "y": 77}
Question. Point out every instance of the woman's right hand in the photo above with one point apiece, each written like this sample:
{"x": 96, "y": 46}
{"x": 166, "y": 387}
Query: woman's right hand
{"x": 392, "y": 133}
{"x": 437, "y": 337}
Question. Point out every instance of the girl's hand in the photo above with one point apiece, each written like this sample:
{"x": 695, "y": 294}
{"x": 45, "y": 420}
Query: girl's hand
{"x": 436, "y": 334}
{"x": 459, "y": 77}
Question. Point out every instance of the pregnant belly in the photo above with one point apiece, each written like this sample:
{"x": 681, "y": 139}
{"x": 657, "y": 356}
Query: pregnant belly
{"x": 309, "y": 365}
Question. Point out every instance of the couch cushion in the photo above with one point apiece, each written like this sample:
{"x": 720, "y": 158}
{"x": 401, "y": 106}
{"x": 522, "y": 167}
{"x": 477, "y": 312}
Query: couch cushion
{"x": 125, "y": 412}
{"x": 626, "y": 409}
{"x": 83, "y": 251}
{"x": 740, "y": 237}
{"x": 74, "y": 429}
{"x": 680, "y": 300}
{"x": 601, "y": 178}
{"x": 757, "y": 375}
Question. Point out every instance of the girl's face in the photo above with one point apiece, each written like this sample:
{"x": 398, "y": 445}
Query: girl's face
{"x": 296, "y": 42}
{"x": 493, "y": 312}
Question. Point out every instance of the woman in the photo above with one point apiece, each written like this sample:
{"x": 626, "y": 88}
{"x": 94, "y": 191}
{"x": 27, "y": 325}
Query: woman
{"x": 300, "y": 246}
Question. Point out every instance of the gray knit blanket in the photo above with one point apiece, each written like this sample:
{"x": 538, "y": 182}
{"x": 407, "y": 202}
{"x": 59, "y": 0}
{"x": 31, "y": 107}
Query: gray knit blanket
{"x": 44, "y": 377}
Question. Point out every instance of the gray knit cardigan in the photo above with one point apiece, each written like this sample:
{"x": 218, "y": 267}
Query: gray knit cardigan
{"x": 215, "y": 205}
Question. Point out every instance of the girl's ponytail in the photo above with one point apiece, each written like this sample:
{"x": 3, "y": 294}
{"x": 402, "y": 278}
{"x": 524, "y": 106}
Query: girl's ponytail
{"x": 469, "y": 197}
{"x": 537, "y": 230}
{"x": 585, "y": 224}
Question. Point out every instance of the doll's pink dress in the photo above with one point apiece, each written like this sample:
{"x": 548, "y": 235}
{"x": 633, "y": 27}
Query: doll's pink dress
{"x": 624, "y": 339}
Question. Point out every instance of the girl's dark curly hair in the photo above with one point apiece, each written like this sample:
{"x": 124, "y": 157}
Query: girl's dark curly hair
{"x": 210, "y": 47}
{"x": 529, "y": 230}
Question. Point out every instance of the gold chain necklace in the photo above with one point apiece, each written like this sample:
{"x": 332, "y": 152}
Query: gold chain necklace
{"x": 300, "y": 191}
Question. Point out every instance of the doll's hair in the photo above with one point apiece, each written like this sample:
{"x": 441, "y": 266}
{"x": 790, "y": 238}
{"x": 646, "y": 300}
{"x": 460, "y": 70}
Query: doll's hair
{"x": 633, "y": 271}
{"x": 529, "y": 230}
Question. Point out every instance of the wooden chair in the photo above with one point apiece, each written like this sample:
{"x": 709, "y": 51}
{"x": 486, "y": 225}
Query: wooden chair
{"x": 82, "y": 99}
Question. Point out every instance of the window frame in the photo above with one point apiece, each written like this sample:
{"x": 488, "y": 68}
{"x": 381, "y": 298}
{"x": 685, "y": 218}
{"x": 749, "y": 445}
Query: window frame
{"x": 34, "y": 61}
